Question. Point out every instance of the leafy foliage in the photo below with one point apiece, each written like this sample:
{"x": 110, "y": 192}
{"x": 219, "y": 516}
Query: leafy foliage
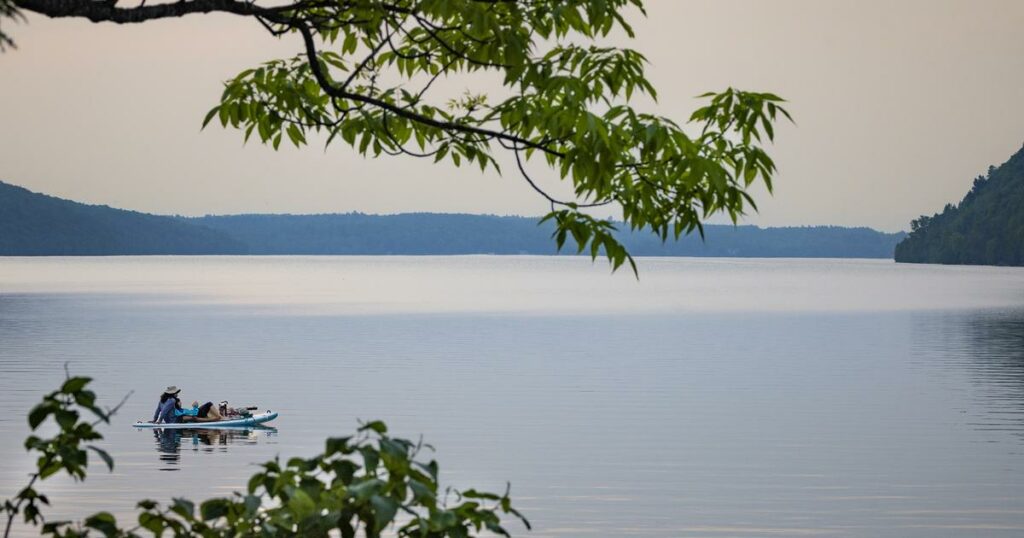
{"x": 365, "y": 83}
{"x": 567, "y": 101}
{"x": 364, "y": 484}
{"x": 986, "y": 227}
{"x": 65, "y": 451}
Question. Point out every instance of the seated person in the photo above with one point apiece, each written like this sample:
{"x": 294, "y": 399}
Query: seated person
{"x": 168, "y": 403}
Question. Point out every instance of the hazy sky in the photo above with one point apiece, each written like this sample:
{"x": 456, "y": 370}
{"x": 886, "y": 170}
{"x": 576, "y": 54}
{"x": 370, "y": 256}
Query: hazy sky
{"x": 899, "y": 105}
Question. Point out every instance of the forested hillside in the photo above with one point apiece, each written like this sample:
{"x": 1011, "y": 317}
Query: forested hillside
{"x": 36, "y": 224}
{"x": 985, "y": 228}
{"x": 33, "y": 224}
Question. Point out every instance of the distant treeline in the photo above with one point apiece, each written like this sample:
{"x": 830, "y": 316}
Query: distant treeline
{"x": 35, "y": 224}
{"x": 433, "y": 233}
{"x": 986, "y": 227}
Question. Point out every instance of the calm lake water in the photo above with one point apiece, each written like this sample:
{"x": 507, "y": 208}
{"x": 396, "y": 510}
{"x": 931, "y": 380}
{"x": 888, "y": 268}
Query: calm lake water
{"x": 710, "y": 398}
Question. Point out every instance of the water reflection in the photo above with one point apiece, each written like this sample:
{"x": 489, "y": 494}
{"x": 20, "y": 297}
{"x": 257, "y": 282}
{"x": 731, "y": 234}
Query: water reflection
{"x": 996, "y": 341}
{"x": 980, "y": 355}
{"x": 171, "y": 441}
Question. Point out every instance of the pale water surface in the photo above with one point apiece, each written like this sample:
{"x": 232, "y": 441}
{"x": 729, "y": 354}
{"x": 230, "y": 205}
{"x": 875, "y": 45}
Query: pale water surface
{"x": 712, "y": 397}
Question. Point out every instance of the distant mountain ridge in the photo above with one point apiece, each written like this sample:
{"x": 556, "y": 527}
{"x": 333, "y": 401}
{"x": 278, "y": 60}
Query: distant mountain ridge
{"x": 36, "y": 224}
{"x": 985, "y": 228}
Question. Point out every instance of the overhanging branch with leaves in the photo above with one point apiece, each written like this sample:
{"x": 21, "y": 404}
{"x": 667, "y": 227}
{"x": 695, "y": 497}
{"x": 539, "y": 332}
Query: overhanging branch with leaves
{"x": 366, "y": 72}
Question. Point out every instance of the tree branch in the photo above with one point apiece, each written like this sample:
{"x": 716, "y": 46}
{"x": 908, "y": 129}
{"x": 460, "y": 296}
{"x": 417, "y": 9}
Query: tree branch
{"x": 334, "y": 91}
{"x": 554, "y": 201}
{"x": 109, "y": 12}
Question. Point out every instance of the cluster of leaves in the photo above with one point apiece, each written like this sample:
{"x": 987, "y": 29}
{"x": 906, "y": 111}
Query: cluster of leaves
{"x": 368, "y": 67}
{"x": 65, "y": 451}
{"x": 365, "y": 484}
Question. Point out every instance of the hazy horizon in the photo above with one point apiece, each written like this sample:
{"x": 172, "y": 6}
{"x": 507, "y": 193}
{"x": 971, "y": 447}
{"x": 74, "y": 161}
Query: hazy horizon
{"x": 898, "y": 108}
{"x": 412, "y": 212}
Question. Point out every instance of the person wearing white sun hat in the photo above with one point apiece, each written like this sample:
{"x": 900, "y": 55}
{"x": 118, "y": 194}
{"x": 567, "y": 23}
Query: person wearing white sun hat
{"x": 168, "y": 403}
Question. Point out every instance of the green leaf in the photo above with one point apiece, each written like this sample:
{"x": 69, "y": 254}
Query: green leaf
{"x": 224, "y": 113}
{"x": 87, "y": 399}
{"x": 422, "y": 493}
{"x": 336, "y": 445}
{"x": 385, "y": 509}
{"x": 213, "y": 509}
{"x": 371, "y": 458}
{"x": 497, "y": 529}
{"x": 183, "y": 507}
{"x": 103, "y": 522}
{"x": 295, "y": 135}
{"x": 209, "y": 116}
{"x": 474, "y": 494}
{"x": 151, "y": 522}
{"x": 254, "y": 482}
{"x": 49, "y": 469}
{"x": 252, "y": 505}
{"x": 376, "y": 425}
{"x": 301, "y": 504}
{"x": 103, "y": 455}
{"x": 66, "y": 419}
{"x": 74, "y": 384}
{"x": 39, "y": 414}
{"x": 365, "y": 489}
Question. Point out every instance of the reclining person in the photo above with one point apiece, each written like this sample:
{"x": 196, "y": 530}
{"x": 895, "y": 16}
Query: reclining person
{"x": 199, "y": 413}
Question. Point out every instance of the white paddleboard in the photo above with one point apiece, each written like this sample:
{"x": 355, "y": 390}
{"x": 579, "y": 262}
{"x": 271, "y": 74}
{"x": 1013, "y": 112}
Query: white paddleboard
{"x": 230, "y": 423}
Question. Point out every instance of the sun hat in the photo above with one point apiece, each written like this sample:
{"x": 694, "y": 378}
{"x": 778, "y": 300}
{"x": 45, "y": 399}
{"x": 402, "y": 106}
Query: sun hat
{"x": 172, "y": 390}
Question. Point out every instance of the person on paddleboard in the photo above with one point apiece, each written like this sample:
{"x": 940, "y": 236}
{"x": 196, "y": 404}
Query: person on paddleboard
{"x": 169, "y": 410}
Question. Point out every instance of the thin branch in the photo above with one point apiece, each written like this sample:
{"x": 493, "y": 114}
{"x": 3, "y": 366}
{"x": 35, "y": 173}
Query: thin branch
{"x": 111, "y": 411}
{"x": 419, "y": 95}
{"x": 369, "y": 57}
{"x": 399, "y": 145}
{"x": 428, "y": 27}
{"x": 554, "y": 201}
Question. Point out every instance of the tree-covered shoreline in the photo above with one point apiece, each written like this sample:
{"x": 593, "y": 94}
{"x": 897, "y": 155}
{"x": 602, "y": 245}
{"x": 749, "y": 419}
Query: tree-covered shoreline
{"x": 985, "y": 228}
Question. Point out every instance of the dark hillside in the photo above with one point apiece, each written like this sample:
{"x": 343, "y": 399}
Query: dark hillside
{"x": 985, "y": 228}
{"x": 33, "y": 224}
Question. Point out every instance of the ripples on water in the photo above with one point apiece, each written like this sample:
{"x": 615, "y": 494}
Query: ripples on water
{"x": 711, "y": 398}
